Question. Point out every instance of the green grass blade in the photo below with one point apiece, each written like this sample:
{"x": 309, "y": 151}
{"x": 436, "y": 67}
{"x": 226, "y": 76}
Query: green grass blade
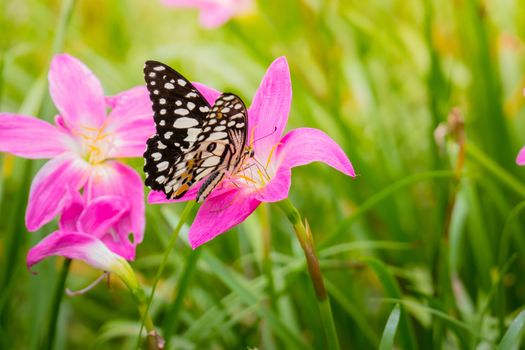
{"x": 243, "y": 291}
{"x": 514, "y": 335}
{"x": 354, "y": 312}
{"x": 377, "y": 198}
{"x": 392, "y": 290}
{"x": 170, "y": 324}
{"x": 387, "y": 340}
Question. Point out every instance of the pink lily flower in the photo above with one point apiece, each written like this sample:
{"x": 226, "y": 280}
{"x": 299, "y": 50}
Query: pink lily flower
{"x": 82, "y": 144}
{"x": 520, "y": 160}
{"x": 267, "y": 177}
{"x": 93, "y": 232}
{"x": 214, "y": 13}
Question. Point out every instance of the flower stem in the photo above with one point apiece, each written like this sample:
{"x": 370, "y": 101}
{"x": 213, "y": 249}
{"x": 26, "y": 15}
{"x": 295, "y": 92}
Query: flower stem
{"x": 155, "y": 341}
{"x": 303, "y": 234}
{"x": 55, "y": 306}
{"x": 127, "y": 275}
{"x": 266, "y": 258}
{"x": 185, "y": 213}
{"x": 267, "y": 339}
{"x": 328, "y": 323}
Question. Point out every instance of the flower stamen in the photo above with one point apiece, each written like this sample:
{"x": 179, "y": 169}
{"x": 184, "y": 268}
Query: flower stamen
{"x": 92, "y": 285}
{"x": 271, "y": 153}
{"x": 261, "y": 166}
{"x": 97, "y": 143}
{"x": 261, "y": 176}
{"x": 247, "y": 178}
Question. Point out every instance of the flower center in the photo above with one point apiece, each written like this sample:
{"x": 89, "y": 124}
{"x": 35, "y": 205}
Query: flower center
{"x": 255, "y": 173}
{"x": 96, "y": 143}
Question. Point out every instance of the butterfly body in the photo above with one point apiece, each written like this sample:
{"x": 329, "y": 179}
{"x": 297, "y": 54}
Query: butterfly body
{"x": 194, "y": 141}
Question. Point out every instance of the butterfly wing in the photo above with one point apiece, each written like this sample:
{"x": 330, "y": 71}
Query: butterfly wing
{"x": 217, "y": 152}
{"x": 223, "y": 140}
{"x": 179, "y": 114}
{"x": 193, "y": 140}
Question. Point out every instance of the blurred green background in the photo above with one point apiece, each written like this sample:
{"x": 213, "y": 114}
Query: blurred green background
{"x": 441, "y": 237}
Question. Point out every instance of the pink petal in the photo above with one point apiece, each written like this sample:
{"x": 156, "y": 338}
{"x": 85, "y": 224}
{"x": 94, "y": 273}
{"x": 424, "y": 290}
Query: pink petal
{"x": 101, "y": 214}
{"x": 71, "y": 212}
{"x": 278, "y": 187}
{"x": 215, "y": 16}
{"x": 107, "y": 218}
{"x": 119, "y": 242}
{"x": 77, "y": 93}
{"x": 305, "y": 145}
{"x": 210, "y": 94}
{"x": 219, "y": 214}
{"x": 61, "y": 124}
{"x": 520, "y": 160}
{"x": 75, "y": 245}
{"x": 213, "y": 13}
{"x": 19, "y": 132}
{"x": 116, "y": 179}
{"x": 268, "y": 113}
{"x": 158, "y": 197}
{"x": 187, "y": 3}
{"x": 130, "y": 122}
{"x": 49, "y": 190}
{"x": 198, "y": 4}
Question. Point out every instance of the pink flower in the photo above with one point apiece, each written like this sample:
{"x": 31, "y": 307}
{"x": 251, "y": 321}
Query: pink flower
{"x": 520, "y": 160}
{"x": 267, "y": 177}
{"x": 214, "y": 13}
{"x": 82, "y": 144}
{"x": 93, "y": 232}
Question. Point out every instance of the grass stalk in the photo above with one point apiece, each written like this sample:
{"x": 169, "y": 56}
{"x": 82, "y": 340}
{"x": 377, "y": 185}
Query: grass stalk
{"x": 495, "y": 169}
{"x": 172, "y": 319}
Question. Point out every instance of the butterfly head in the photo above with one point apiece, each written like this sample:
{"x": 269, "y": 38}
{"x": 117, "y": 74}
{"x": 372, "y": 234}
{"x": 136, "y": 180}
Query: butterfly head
{"x": 249, "y": 152}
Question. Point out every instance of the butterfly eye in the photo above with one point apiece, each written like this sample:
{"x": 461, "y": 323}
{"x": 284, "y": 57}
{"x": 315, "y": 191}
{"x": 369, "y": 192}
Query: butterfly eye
{"x": 252, "y": 153}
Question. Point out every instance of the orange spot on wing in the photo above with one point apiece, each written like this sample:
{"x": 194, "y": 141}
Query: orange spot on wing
{"x": 186, "y": 177}
{"x": 182, "y": 189}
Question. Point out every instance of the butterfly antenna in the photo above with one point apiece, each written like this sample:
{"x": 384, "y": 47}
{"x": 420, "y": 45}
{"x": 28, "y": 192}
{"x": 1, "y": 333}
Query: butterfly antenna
{"x": 252, "y": 135}
{"x": 260, "y": 138}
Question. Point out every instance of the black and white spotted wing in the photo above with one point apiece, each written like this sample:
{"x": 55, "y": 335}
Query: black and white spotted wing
{"x": 222, "y": 144}
{"x": 193, "y": 139}
{"x": 179, "y": 113}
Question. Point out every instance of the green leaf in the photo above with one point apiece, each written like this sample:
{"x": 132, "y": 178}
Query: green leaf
{"x": 514, "y": 335}
{"x": 242, "y": 288}
{"x": 392, "y": 289}
{"x": 387, "y": 340}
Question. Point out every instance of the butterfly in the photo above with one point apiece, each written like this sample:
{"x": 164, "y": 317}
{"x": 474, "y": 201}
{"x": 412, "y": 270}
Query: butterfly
{"x": 194, "y": 141}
